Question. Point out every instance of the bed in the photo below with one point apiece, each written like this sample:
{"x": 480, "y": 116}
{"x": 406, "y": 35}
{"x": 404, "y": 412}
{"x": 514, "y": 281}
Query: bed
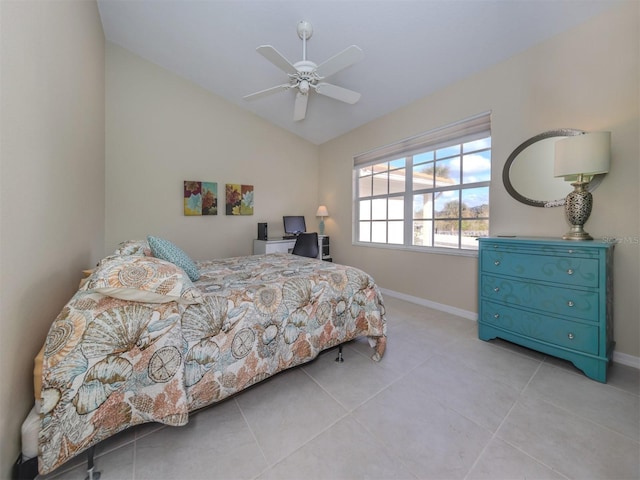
{"x": 142, "y": 342}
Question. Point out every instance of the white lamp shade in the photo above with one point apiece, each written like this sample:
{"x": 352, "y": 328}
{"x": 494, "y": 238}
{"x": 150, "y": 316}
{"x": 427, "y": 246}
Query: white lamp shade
{"x": 587, "y": 154}
{"x": 322, "y": 211}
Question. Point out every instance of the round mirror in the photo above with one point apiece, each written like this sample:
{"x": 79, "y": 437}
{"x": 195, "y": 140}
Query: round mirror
{"x": 528, "y": 172}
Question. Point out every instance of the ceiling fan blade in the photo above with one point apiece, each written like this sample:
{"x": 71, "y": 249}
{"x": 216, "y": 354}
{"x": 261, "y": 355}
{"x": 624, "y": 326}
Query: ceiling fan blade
{"x": 339, "y": 93}
{"x": 300, "y": 107}
{"x": 344, "y": 59}
{"x": 267, "y": 92}
{"x": 275, "y": 57}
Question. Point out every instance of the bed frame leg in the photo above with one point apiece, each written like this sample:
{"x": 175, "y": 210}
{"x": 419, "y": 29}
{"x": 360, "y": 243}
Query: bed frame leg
{"x": 339, "y": 358}
{"x": 91, "y": 475}
{"x": 25, "y": 469}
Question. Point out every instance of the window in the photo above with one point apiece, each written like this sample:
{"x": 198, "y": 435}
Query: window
{"x": 426, "y": 192}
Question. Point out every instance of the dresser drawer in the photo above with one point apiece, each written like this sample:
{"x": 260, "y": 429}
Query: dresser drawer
{"x": 556, "y": 331}
{"x": 562, "y": 301}
{"x": 576, "y": 271}
{"x": 573, "y": 250}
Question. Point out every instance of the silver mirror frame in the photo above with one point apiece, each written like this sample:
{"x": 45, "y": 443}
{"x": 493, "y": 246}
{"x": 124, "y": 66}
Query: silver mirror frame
{"x": 506, "y": 180}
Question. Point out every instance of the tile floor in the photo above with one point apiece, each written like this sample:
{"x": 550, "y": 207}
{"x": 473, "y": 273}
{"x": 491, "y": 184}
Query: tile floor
{"x": 440, "y": 405}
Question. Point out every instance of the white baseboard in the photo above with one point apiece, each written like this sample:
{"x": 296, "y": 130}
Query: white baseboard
{"x": 625, "y": 359}
{"x": 618, "y": 357}
{"x": 428, "y": 303}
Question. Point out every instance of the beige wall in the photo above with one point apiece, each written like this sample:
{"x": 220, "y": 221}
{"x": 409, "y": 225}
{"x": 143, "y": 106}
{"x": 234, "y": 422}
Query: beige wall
{"x": 586, "y": 78}
{"x": 163, "y": 129}
{"x": 51, "y": 179}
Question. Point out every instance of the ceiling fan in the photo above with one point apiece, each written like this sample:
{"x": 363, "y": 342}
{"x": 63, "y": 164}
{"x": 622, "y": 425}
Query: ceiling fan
{"x": 305, "y": 75}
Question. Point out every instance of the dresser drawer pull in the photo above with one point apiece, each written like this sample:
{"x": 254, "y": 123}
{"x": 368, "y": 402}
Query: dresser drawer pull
{"x": 570, "y": 304}
{"x": 496, "y": 315}
{"x": 570, "y": 336}
{"x": 496, "y": 289}
{"x": 570, "y": 251}
{"x": 496, "y": 263}
{"x": 570, "y": 271}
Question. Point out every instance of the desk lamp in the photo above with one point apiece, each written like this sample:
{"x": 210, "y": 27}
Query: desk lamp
{"x": 322, "y": 212}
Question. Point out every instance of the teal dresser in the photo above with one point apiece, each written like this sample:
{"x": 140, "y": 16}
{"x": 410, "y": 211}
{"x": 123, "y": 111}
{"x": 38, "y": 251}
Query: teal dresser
{"x": 550, "y": 295}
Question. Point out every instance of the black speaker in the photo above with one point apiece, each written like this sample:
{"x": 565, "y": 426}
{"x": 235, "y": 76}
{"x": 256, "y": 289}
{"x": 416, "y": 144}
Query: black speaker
{"x": 262, "y": 231}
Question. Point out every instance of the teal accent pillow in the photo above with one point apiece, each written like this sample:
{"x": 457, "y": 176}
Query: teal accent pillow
{"x": 166, "y": 250}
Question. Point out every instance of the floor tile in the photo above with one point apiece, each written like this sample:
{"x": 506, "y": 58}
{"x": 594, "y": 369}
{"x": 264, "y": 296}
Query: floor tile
{"x": 624, "y": 377}
{"x": 482, "y": 399}
{"x": 610, "y": 407}
{"x": 345, "y": 451}
{"x": 486, "y": 358}
{"x": 215, "y": 440}
{"x": 353, "y": 381}
{"x": 432, "y": 440}
{"x": 502, "y": 461}
{"x": 287, "y": 411}
{"x": 404, "y": 351}
{"x": 117, "y": 464}
{"x": 571, "y": 445}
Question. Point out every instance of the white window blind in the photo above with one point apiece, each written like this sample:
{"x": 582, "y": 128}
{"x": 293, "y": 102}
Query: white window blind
{"x": 462, "y": 131}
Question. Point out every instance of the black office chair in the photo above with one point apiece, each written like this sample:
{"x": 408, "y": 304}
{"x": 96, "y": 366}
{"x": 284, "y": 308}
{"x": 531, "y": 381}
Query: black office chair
{"x": 306, "y": 245}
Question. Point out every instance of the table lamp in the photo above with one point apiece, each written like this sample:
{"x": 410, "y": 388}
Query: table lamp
{"x": 578, "y": 158}
{"x": 322, "y": 212}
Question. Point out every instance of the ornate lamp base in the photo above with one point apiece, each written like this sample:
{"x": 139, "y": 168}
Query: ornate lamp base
{"x": 577, "y": 233}
{"x": 321, "y": 226}
{"x": 577, "y": 207}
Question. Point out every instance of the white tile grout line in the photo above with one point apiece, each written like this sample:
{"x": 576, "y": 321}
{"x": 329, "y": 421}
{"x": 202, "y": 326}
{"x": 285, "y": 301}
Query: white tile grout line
{"x": 350, "y": 411}
{"x": 574, "y": 414}
{"x": 375, "y": 394}
{"x": 303, "y": 444}
{"x": 253, "y": 435}
{"x": 384, "y": 446}
{"x": 348, "y": 414}
{"x": 494, "y": 434}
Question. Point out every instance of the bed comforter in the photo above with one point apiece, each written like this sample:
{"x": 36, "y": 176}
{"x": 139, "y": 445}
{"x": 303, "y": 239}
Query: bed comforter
{"x": 110, "y": 363}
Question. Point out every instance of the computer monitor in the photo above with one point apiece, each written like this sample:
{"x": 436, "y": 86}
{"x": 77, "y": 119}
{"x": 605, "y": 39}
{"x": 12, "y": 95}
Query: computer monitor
{"x": 294, "y": 224}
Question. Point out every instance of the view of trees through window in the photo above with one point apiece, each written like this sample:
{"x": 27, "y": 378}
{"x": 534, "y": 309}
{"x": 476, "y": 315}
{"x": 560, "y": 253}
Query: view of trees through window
{"x": 434, "y": 198}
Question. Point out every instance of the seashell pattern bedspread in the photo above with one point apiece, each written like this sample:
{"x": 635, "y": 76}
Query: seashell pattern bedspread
{"x": 111, "y": 363}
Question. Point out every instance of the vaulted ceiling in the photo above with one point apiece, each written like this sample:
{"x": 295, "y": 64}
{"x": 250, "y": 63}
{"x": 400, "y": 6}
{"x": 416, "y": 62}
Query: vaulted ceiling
{"x": 411, "y": 48}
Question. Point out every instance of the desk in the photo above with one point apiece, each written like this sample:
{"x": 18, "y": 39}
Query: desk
{"x": 279, "y": 245}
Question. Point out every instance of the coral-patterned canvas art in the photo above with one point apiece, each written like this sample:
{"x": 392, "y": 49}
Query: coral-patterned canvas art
{"x": 200, "y": 198}
{"x": 238, "y": 199}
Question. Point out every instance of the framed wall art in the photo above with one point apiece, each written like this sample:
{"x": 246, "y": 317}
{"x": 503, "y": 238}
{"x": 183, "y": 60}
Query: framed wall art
{"x": 238, "y": 199}
{"x": 200, "y": 198}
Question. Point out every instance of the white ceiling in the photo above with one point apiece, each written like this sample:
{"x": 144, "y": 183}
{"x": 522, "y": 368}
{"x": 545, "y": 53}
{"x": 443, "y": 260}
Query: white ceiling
{"x": 411, "y": 47}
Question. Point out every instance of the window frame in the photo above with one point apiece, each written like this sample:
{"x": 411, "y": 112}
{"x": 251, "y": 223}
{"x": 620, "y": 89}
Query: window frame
{"x": 456, "y": 134}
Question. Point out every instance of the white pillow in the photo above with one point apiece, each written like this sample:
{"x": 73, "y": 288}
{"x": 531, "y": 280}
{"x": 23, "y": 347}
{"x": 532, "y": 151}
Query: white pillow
{"x": 142, "y": 279}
